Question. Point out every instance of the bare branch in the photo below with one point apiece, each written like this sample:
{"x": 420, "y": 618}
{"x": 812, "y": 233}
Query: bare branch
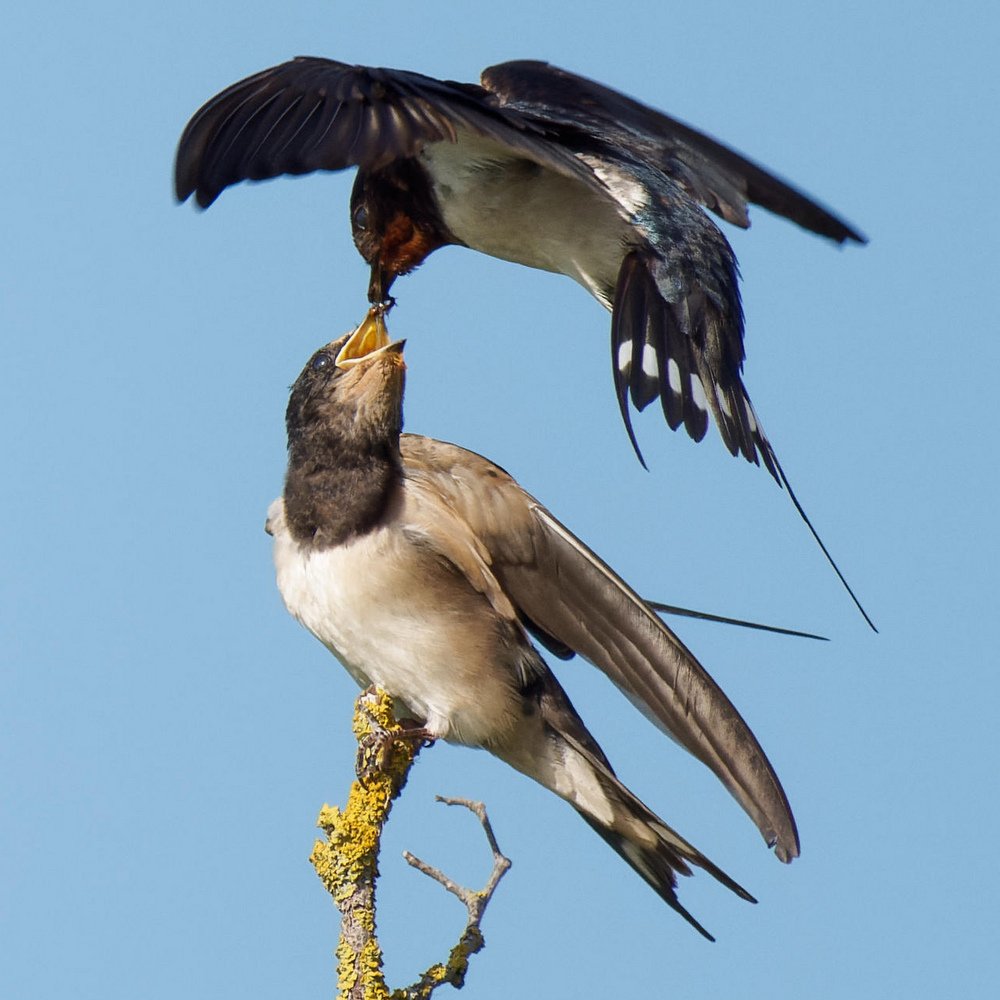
{"x": 472, "y": 940}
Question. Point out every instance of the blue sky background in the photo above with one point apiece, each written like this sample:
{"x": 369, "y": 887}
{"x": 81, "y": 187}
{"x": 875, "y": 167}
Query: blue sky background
{"x": 169, "y": 733}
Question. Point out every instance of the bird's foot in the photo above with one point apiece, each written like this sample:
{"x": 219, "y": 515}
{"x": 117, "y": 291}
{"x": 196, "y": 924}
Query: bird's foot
{"x": 375, "y": 746}
{"x": 416, "y": 732}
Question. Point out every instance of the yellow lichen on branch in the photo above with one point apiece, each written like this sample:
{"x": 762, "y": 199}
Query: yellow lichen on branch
{"x": 347, "y": 860}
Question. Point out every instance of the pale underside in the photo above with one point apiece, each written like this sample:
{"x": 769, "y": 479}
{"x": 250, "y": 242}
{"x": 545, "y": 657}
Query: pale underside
{"x": 492, "y": 201}
{"x": 348, "y": 596}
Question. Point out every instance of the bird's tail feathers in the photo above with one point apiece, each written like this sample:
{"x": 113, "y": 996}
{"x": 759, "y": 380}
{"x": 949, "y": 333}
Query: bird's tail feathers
{"x": 656, "y": 851}
{"x": 652, "y": 848}
{"x": 773, "y": 466}
{"x": 689, "y": 352}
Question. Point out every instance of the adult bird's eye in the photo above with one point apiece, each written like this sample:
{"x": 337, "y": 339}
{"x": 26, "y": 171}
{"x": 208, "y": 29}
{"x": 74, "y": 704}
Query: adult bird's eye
{"x": 321, "y": 360}
{"x": 361, "y": 217}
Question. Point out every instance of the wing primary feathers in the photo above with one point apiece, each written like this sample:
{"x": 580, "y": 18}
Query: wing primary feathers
{"x": 279, "y": 112}
{"x": 312, "y": 153}
{"x": 719, "y": 177}
{"x": 559, "y": 585}
{"x": 650, "y": 665}
{"x": 369, "y": 117}
{"x": 222, "y": 160}
{"x": 299, "y": 124}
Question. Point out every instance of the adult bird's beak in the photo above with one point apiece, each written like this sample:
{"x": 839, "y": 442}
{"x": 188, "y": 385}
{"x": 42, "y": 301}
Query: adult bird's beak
{"x": 379, "y": 284}
{"x": 369, "y": 337}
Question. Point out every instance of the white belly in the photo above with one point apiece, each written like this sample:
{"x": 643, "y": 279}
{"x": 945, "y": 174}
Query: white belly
{"x": 517, "y": 211}
{"x": 429, "y": 651}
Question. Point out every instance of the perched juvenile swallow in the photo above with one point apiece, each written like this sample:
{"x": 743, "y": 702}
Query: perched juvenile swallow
{"x": 426, "y": 570}
{"x": 545, "y": 168}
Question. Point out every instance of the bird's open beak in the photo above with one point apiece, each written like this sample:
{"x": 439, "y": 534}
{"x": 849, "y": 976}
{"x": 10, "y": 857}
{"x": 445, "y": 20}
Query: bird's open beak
{"x": 369, "y": 337}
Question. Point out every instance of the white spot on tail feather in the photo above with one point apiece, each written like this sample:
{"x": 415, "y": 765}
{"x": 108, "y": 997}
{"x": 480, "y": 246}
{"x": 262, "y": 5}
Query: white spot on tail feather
{"x": 698, "y": 393}
{"x": 649, "y": 363}
{"x": 674, "y": 376}
{"x": 624, "y": 357}
{"x": 723, "y": 401}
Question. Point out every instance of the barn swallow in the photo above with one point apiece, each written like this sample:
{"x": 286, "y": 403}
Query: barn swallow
{"x": 426, "y": 570}
{"x": 545, "y": 168}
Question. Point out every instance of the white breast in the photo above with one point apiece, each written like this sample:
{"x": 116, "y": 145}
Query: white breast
{"x": 432, "y": 646}
{"x": 511, "y": 208}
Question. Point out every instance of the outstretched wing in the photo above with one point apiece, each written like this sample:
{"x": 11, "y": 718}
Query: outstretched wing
{"x": 717, "y": 176}
{"x": 319, "y": 114}
{"x": 567, "y": 593}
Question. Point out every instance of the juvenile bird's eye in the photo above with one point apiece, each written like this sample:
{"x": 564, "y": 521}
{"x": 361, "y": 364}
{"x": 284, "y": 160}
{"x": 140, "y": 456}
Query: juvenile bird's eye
{"x": 361, "y": 217}
{"x": 321, "y": 360}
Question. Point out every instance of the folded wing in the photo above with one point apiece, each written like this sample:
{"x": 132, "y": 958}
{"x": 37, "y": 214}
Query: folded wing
{"x": 565, "y": 591}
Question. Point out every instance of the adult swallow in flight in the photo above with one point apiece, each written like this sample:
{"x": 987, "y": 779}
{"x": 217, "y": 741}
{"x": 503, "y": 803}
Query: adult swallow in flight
{"x": 426, "y": 570}
{"x": 545, "y": 168}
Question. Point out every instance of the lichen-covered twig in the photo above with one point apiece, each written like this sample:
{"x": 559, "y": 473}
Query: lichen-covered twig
{"x": 347, "y": 861}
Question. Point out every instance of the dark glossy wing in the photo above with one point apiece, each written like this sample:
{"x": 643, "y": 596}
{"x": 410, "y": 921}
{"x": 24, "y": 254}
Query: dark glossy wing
{"x": 717, "y": 176}
{"x": 318, "y": 114}
{"x": 565, "y": 590}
